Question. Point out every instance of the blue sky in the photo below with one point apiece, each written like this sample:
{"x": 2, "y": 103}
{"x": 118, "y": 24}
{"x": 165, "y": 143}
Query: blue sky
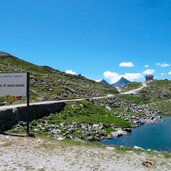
{"x": 90, "y": 37}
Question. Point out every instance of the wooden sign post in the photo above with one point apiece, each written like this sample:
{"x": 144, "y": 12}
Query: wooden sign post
{"x": 28, "y": 102}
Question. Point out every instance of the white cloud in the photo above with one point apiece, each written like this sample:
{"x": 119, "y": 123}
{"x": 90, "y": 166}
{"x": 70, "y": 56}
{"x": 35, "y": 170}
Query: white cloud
{"x": 126, "y": 64}
{"x": 169, "y": 73}
{"x": 146, "y": 66}
{"x": 70, "y": 72}
{"x": 133, "y": 76}
{"x": 149, "y": 71}
{"x": 163, "y": 64}
{"x": 113, "y": 77}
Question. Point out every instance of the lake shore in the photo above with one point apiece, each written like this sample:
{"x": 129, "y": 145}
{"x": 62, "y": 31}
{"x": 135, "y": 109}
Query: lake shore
{"x": 22, "y": 153}
{"x": 93, "y": 120}
{"x": 147, "y": 136}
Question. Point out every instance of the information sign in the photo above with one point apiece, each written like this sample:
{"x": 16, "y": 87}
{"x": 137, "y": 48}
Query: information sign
{"x": 13, "y": 84}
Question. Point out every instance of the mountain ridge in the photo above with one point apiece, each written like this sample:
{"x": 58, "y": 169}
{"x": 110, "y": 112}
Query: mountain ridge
{"x": 119, "y": 84}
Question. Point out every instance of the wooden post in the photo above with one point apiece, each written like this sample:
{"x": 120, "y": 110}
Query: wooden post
{"x": 28, "y": 102}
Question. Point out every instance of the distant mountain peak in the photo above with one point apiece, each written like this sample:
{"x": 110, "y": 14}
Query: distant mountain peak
{"x": 104, "y": 82}
{"x": 121, "y": 83}
{"x": 123, "y": 79}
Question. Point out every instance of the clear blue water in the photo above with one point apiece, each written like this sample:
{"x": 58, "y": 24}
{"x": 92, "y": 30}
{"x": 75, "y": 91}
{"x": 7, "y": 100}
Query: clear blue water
{"x": 153, "y": 136}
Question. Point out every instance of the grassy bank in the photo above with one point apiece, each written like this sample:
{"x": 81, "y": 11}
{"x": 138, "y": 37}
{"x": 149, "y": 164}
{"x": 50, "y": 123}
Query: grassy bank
{"x": 82, "y": 120}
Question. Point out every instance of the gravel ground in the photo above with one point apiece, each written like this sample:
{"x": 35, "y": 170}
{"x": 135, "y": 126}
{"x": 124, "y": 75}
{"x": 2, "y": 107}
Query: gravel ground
{"x": 41, "y": 154}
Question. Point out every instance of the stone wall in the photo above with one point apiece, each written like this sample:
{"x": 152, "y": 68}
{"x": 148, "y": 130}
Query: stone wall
{"x": 10, "y": 117}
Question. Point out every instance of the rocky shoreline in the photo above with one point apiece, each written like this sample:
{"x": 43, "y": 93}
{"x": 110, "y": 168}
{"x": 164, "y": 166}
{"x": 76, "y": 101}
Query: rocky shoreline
{"x": 135, "y": 114}
{"x": 142, "y": 114}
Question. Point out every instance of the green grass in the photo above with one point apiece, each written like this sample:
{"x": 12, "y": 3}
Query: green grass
{"x": 164, "y": 106}
{"x": 76, "y": 113}
{"x": 90, "y": 114}
{"x": 131, "y": 86}
{"x": 157, "y": 90}
{"x": 134, "y": 99}
{"x": 2, "y": 99}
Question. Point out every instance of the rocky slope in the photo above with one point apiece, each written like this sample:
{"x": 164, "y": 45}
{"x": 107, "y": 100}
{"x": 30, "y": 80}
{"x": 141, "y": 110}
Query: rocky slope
{"x": 158, "y": 95}
{"x": 48, "y": 83}
{"x": 157, "y": 90}
{"x": 93, "y": 120}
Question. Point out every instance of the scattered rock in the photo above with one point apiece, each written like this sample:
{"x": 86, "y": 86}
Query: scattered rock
{"x": 128, "y": 130}
{"x": 3, "y": 104}
{"x": 60, "y": 138}
{"x": 110, "y": 148}
{"x": 149, "y": 164}
{"x": 118, "y": 133}
{"x": 108, "y": 108}
{"x": 138, "y": 148}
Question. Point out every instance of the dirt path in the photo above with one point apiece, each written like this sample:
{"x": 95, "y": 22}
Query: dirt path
{"x": 135, "y": 91}
{"x": 18, "y": 153}
{"x": 51, "y": 102}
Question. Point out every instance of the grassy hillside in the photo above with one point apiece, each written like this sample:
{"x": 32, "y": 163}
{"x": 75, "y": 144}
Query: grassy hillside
{"x": 157, "y": 90}
{"x": 158, "y": 95}
{"x": 164, "y": 106}
{"x": 48, "y": 83}
{"x": 131, "y": 86}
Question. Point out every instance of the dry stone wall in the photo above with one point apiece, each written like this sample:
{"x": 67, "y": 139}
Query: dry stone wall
{"x": 10, "y": 117}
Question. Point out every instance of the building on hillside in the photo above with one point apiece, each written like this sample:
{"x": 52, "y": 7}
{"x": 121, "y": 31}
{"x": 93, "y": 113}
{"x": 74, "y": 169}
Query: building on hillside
{"x": 149, "y": 78}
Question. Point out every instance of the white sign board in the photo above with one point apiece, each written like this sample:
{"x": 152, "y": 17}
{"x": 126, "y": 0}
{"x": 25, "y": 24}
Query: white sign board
{"x": 13, "y": 84}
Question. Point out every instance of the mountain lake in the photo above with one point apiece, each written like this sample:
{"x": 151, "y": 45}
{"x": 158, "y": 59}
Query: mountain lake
{"x": 149, "y": 136}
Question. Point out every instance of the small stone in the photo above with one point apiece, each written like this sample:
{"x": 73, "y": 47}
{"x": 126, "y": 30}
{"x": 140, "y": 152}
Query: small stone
{"x": 149, "y": 164}
{"x": 60, "y": 138}
{"x": 138, "y": 148}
